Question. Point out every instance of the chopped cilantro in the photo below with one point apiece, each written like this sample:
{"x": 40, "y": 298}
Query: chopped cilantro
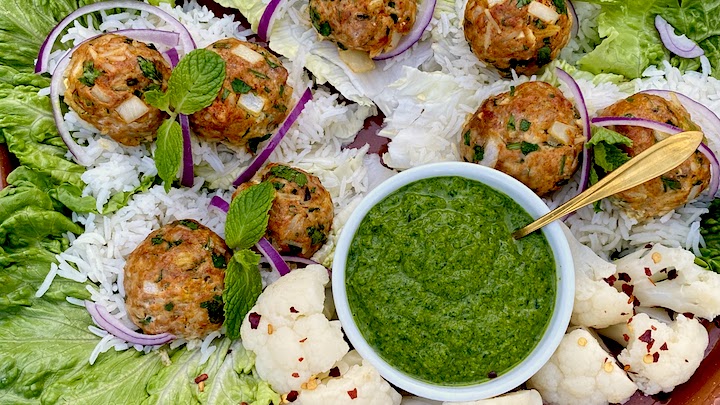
{"x": 562, "y": 164}
{"x": 466, "y": 137}
{"x": 156, "y": 240}
{"x": 322, "y": 27}
{"x": 149, "y": 69}
{"x": 221, "y": 45}
{"x": 289, "y": 174}
{"x": 522, "y": 3}
{"x": 670, "y": 184}
{"x": 270, "y": 63}
{"x": 169, "y": 306}
{"x": 253, "y": 143}
{"x": 277, "y": 185}
{"x": 225, "y": 94}
{"x": 240, "y": 87}
{"x": 479, "y": 153}
{"x": 189, "y": 223}
{"x": 544, "y": 55}
{"x": 527, "y": 147}
{"x": 511, "y": 123}
{"x": 259, "y": 75}
{"x": 560, "y": 6}
{"x": 524, "y": 125}
{"x": 215, "y": 309}
{"x": 391, "y": 4}
{"x": 219, "y": 261}
{"x": 316, "y": 235}
{"x": 512, "y": 90}
{"x": 89, "y": 74}
{"x": 513, "y": 146}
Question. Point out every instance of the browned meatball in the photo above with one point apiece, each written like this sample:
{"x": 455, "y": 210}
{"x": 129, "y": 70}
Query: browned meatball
{"x": 673, "y": 189}
{"x": 515, "y": 34}
{"x": 254, "y": 98}
{"x": 301, "y": 215}
{"x": 106, "y": 80}
{"x": 532, "y": 133}
{"x": 174, "y": 280}
{"x": 373, "y": 26}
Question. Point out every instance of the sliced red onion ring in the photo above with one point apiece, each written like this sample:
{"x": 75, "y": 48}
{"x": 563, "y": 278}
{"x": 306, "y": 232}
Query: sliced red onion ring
{"x": 220, "y": 203}
{"x": 575, "y": 23}
{"x": 670, "y": 129}
{"x": 680, "y": 45}
{"x": 188, "y": 174}
{"x": 585, "y": 117}
{"x": 293, "y": 259}
{"x": 267, "y": 20}
{"x": 46, "y": 49}
{"x": 171, "y": 55}
{"x": 424, "y": 15}
{"x": 113, "y": 326}
{"x": 273, "y": 257}
{"x": 263, "y": 156}
{"x": 167, "y": 38}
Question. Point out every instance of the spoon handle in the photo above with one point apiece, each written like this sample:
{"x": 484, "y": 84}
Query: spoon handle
{"x": 654, "y": 161}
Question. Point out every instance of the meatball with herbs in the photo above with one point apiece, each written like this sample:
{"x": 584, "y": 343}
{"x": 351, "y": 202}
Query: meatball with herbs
{"x": 373, "y": 26}
{"x": 106, "y": 81}
{"x": 301, "y": 215}
{"x": 533, "y": 133}
{"x": 517, "y": 34}
{"x": 673, "y": 189}
{"x": 253, "y": 100}
{"x": 174, "y": 280}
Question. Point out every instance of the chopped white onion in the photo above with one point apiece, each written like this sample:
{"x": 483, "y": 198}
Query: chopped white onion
{"x": 251, "y": 102}
{"x": 543, "y": 12}
{"x": 100, "y": 94}
{"x": 132, "y": 109}
{"x": 357, "y": 61}
{"x": 560, "y": 133}
{"x": 247, "y": 54}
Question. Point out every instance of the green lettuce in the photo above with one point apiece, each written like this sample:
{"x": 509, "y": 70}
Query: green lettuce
{"x": 631, "y": 42}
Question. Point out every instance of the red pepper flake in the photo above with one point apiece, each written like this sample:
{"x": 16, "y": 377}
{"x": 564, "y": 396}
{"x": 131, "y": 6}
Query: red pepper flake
{"x": 626, "y": 337}
{"x": 201, "y": 378}
{"x": 664, "y": 346}
{"x": 293, "y": 310}
{"x": 254, "y": 319}
{"x": 296, "y": 375}
{"x": 334, "y": 372}
{"x": 648, "y": 272}
{"x": 653, "y": 327}
{"x": 628, "y": 289}
{"x": 292, "y": 396}
{"x": 625, "y": 277}
{"x": 301, "y": 358}
{"x": 611, "y": 280}
{"x": 352, "y": 393}
{"x": 492, "y": 374}
{"x": 636, "y": 302}
{"x": 688, "y": 315}
{"x": 656, "y": 357}
{"x": 302, "y": 340}
{"x": 648, "y": 246}
{"x": 646, "y": 336}
{"x": 672, "y": 274}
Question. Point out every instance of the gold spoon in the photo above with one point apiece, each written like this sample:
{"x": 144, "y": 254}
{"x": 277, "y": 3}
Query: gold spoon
{"x": 654, "y": 161}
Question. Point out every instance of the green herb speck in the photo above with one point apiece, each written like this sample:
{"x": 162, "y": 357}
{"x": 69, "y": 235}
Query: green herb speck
{"x": 524, "y": 125}
{"x": 149, "y": 69}
{"x": 240, "y": 87}
{"x": 89, "y": 74}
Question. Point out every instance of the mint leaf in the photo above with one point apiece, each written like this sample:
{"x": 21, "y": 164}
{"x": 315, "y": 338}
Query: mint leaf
{"x": 289, "y": 174}
{"x": 610, "y": 137}
{"x": 158, "y": 99}
{"x": 196, "y": 81}
{"x": 243, "y": 286}
{"x": 609, "y": 157}
{"x": 168, "y": 155}
{"x": 248, "y": 216}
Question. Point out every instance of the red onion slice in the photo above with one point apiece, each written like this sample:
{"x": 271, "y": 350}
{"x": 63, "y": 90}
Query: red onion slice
{"x": 220, "y": 203}
{"x": 273, "y": 257}
{"x": 294, "y": 259}
{"x": 46, "y": 48}
{"x": 714, "y": 169}
{"x": 424, "y": 15}
{"x": 167, "y": 38}
{"x": 263, "y": 156}
{"x": 267, "y": 20}
{"x": 680, "y": 45}
{"x": 113, "y": 326}
{"x": 188, "y": 174}
{"x": 171, "y": 55}
{"x": 575, "y": 23}
{"x": 585, "y": 117}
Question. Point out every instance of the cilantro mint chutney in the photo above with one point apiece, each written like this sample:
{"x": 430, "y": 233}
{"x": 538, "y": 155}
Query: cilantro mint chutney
{"x": 439, "y": 287}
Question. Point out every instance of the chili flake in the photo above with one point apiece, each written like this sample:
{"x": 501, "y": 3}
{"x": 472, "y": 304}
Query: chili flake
{"x": 352, "y": 393}
{"x": 291, "y": 396}
{"x": 335, "y": 372}
{"x": 201, "y": 378}
{"x": 254, "y": 319}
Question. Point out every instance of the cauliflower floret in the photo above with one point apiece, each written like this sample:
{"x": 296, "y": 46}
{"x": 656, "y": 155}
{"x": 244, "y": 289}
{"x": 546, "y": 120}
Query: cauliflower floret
{"x": 669, "y": 278}
{"x": 660, "y": 356}
{"x": 582, "y": 372}
{"x": 286, "y": 329}
{"x": 526, "y": 397}
{"x": 597, "y": 303}
{"x": 352, "y": 381}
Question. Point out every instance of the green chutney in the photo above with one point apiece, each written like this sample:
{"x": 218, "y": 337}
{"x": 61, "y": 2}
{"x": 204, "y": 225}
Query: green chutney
{"x": 441, "y": 290}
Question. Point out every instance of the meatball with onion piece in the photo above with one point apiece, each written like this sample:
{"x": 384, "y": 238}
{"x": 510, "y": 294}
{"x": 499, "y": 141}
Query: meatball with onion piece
{"x": 517, "y": 35}
{"x": 253, "y": 100}
{"x": 302, "y": 213}
{"x": 372, "y": 26}
{"x": 673, "y": 189}
{"x": 533, "y": 133}
{"x": 174, "y": 280}
{"x": 106, "y": 81}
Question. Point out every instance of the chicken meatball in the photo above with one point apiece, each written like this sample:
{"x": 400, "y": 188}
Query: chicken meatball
{"x": 174, "y": 280}
{"x": 106, "y": 80}
{"x": 533, "y": 133}
{"x": 301, "y": 215}
{"x": 253, "y": 100}
{"x": 517, "y": 34}
{"x": 673, "y": 189}
{"x": 373, "y": 26}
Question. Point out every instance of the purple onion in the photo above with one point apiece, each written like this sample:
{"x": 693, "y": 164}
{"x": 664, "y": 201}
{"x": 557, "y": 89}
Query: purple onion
{"x": 273, "y": 257}
{"x": 425, "y": 12}
{"x": 113, "y": 326}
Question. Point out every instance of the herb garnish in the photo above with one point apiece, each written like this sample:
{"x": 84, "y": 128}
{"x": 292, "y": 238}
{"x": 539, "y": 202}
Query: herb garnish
{"x": 89, "y": 74}
{"x": 149, "y": 69}
{"x": 289, "y": 174}
{"x": 240, "y": 87}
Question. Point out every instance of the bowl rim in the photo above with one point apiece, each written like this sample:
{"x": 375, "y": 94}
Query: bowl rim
{"x": 565, "y": 283}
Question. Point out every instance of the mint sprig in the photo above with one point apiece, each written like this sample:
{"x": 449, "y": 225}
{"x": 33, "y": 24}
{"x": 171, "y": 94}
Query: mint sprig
{"x": 243, "y": 286}
{"x": 248, "y": 216}
{"x": 193, "y": 85}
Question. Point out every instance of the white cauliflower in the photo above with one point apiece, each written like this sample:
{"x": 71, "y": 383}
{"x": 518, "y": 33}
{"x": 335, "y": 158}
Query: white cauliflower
{"x": 353, "y": 381}
{"x": 597, "y": 303}
{"x": 582, "y": 372}
{"x": 286, "y": 329}
{"x": 525, "y": 397}
{"x": 659, "y": 356}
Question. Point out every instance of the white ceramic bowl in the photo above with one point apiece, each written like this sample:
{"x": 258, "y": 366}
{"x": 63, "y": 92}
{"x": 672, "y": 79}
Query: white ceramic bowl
{"x": 565, "y": 284}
